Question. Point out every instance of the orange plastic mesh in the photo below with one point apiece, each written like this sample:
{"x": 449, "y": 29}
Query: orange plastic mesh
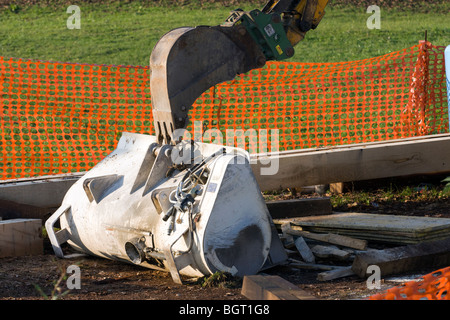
{"x": 63, "y": 117}
{"x": 433, "y": 286}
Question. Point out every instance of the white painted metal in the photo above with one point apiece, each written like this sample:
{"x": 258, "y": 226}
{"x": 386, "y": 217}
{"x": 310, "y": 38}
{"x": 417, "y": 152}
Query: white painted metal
{"x": 116, "y": 210}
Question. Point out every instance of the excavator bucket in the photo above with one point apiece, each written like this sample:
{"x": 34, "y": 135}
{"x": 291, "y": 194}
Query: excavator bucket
{"x": 188, "y": 61}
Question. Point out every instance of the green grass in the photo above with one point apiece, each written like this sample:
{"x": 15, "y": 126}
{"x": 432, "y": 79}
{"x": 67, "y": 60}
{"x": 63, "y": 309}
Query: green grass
{"x": 125, "y": 33}
{"x": 124, "y": 36}
{"x": 344, "y": 36}
{"x": 389, "y": 195}
{"x": 408, "y": 200}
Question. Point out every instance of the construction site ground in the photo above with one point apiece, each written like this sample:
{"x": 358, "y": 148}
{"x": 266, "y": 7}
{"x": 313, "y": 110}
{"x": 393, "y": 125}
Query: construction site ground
{"x": 36, "y": 277}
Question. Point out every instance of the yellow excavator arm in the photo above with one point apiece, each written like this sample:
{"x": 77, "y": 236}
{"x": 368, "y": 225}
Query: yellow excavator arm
{"x": 188, "y": 61}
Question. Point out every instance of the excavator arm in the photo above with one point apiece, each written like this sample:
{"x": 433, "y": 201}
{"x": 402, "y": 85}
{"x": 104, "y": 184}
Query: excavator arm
{"x": 188, "y": 61}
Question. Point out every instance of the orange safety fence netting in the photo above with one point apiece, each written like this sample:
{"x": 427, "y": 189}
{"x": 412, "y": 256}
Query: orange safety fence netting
{"x": 432, "y": 286}
{"x": 64, "y": 117}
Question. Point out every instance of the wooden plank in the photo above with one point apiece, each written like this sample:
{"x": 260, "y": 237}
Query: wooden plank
{"x": 304, "y": 250}
{"x": 366, "y": 161}
{"x": 311, "y": 266}
{"x": 269, "y": 287}
{"x": 337, "y": 187}
{"x": 330, "y": 252}
{"x": 375, "y": 222}
{"x": 386, "y": 228}
{"x": 431, "y": 254}
{"x": 42, "y": 192}
{"x": 19, "y": 237}
{"x": 337, "y": 239}
{"x": 13, "y": 210}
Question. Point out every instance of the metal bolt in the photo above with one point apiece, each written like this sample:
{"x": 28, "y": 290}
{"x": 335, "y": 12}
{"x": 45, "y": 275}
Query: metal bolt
{"x": 290, "y": 51}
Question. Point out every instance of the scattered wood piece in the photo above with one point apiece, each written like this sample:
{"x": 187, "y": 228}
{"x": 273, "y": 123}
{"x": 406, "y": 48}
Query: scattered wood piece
{"x": 430, "y": 254}
{"x": 336, "y": 239}
{"x": 335, "y": 274}
{"x": 20, "y": 237}
{"x": 299, "y": 207}
{"x": 40, "y": 192}
{"x": 13, "y": 210}
{"x": 337, "y": 187}
{"x": 268, "y": 287}
{"x": 330, "y": 252}
{"x": 310, "y": 266}
{"x": 284, "y": 226}
{"x": 377, "y": 227}
{"x": 304, "y": 250}
{"x": 356, "y": 162}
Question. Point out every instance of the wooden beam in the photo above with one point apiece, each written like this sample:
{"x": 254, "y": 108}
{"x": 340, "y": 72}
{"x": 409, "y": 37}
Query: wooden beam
{"x": 20, "y": 237}
{"x": 332, "y": 238}
{"x": 296, "y": 168}
{"x": 393, "y": 229}
{"x": 337, "y": 187}
{"x": 40, "y": 192}
{"x": 312, "y": 266}
{"x": 304, "y": 250}
{"x": 401, "y": 157}
{"x": 330, "y": 252}
{"x": 335, "y": 274}
{"x": 268, "y": 287}
{"x": 13, "y": 210}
